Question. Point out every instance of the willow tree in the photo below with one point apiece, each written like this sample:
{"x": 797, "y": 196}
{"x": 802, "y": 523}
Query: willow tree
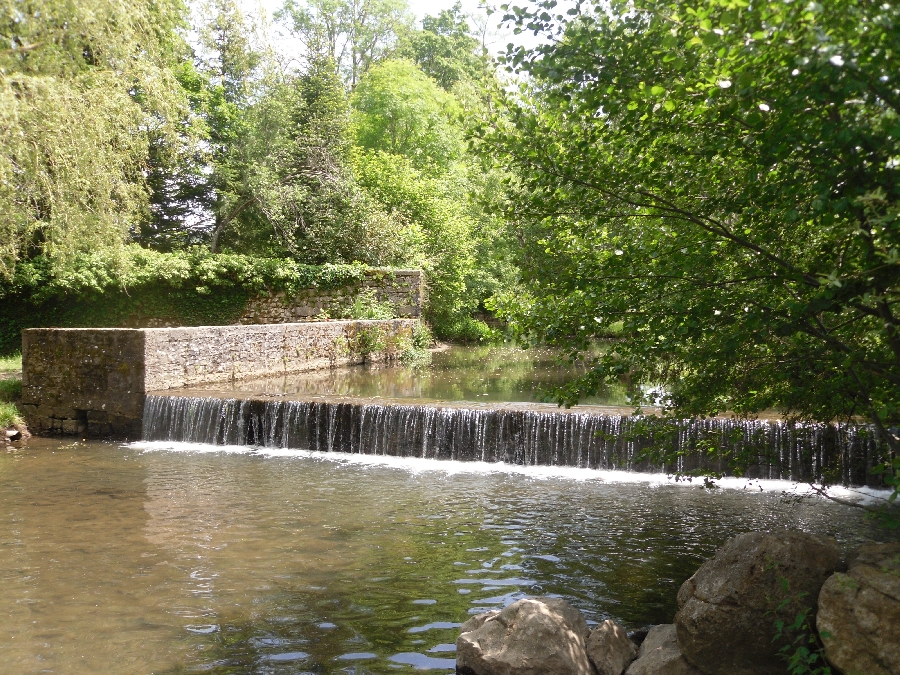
{"x": 83, "y": 86}
{"x": 721, "y": 177}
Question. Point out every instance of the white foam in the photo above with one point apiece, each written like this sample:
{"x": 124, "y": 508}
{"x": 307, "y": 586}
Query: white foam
{"x": 417, "y": 465}
{"x": 196, "y": 448}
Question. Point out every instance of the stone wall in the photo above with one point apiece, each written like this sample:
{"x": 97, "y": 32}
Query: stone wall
{"x": 75, "y": 380}
{"x": 93, "y": 381}
{"x": 402, "y": 288}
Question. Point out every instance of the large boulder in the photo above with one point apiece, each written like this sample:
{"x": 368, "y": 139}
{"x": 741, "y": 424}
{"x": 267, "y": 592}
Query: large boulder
{"x": 477, "y": 621}
{"x": 534, "y": 636}
{"x": 660, "y": 655}
{"x": 728, "y": 609}
{"x": 859, "y": 613}
{"x": 610, "y": 649}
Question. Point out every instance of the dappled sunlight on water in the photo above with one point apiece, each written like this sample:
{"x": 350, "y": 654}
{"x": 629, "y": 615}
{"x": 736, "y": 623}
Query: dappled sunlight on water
{"x": 177, "y": 558}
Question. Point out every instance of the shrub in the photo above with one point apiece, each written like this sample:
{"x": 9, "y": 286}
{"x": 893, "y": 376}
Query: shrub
{"x": 191, "y": 287}
{"x": 367, "y": 306}
{"x": 9, "y": 416}
{"x": 470, "y": 329}
{"x": 10, "y": 391}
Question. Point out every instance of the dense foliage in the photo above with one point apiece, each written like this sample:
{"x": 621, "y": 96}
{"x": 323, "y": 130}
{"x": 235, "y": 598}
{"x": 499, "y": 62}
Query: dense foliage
{"x": 105, "y": 69}
{"x": 194, "y": 131}
{"x": 400, "y": 110}
{"x": 190, "y": 287}
{"x": 445, "y": 49}
{"x": 722, "y": 177}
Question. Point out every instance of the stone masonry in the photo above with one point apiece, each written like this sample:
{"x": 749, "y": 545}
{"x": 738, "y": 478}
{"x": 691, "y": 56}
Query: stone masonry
{"x": 93, "y": 381}
{"x": 402, "y": 288}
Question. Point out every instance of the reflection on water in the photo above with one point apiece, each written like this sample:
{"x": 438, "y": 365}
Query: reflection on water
{"x": 486, "y": 374}
{"x": 123, "y": 560}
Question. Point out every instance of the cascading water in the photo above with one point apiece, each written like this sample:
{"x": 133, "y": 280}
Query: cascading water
{"x": 776, "y": 449}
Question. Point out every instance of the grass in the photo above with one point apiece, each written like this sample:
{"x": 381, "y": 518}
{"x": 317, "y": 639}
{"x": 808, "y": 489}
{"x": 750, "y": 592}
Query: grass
{"x": 9, "y": 416}
{"x": 10, "y": 392}
{"x": 11, "y": 364}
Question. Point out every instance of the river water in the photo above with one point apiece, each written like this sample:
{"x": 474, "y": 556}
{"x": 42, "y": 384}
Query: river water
{"x": 176, "y": 558}
{"x": 485, "y": 374}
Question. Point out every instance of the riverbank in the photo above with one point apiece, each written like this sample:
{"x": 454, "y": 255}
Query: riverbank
{"x": 767, "y": 603}
{"x": 12, "y": 424}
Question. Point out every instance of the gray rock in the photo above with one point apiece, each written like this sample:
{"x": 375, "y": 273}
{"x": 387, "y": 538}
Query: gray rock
{"x": 477, "y": 621}
{"x": 728, "y": 609}
{"x": 534, "y": 636}
{"x": 660, "y": 655}
{"x": 638, "y": 635}
{"x": 860, "y": 613}
{"x": 610, "y": 649}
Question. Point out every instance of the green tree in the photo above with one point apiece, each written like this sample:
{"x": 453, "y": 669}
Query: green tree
{"x": 445, "y": 48}
{"x": 177, "y": 177}
{"x": 438, "y": 235}
{"x": 400, "y": 110}
{"x": 721, "y": 177}
{"x": 416, "y": 166}
{"x": 234, "y": 82}
{"x": 355, "y": 34}
{"x": 84, "y": 86}
{"x": 302, "y": 198}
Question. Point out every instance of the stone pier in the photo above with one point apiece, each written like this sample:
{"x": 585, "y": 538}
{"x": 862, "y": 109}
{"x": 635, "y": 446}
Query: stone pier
{"x": 93, "y": 381}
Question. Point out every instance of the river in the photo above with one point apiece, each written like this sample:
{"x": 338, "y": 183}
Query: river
{"x": 178, "y": 558}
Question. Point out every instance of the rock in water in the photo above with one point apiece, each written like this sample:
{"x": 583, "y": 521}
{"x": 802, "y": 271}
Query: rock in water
{"x": 660, "y": 655}
{"x": 860, "y": 612}
{"x": 534, "y": 636}
{"x": 726, "y": 620}
{"x": 477, "y": 621}
{"x": 610, "y": 649}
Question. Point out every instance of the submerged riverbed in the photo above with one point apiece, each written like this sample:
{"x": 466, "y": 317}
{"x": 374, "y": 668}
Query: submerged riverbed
{"x": 169, "y": 558}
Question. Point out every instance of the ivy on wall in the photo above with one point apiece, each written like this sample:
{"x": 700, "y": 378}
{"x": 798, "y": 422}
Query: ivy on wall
{"x": 191, "y": 287}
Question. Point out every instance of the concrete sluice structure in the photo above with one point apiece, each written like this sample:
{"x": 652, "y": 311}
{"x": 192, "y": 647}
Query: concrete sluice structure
{"x": 521, "y": 434}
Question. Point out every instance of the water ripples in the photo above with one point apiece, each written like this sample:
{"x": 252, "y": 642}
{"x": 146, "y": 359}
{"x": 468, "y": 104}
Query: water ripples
{"x": 248, "y": 562}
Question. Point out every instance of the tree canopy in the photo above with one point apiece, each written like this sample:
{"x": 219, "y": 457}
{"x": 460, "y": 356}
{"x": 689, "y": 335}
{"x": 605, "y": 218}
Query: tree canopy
{"x": 193, "y": 131}
{"x": 83, "y": 88}
{"x": 355, "y": 34}
{"x": 400, "y": 110}
{"x": 721, "y": 178}
{"x": 445, "y": 48}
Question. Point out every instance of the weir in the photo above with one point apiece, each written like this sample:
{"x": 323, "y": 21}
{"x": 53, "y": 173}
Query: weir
{"x": 92, "y": 381}
{"x": 522, "y": 435}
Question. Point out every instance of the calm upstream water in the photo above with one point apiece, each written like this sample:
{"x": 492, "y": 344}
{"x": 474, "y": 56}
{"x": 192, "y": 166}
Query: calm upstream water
{"x": 168, "y": 558}
{"x": 485, "y": 374}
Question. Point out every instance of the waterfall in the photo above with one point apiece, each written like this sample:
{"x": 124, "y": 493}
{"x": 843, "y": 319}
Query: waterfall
{"x": 773, "y": 449}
